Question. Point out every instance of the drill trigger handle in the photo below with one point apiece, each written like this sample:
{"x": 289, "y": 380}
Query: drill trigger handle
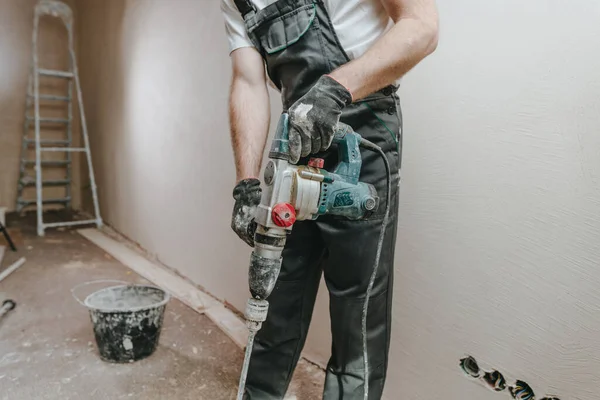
{"x": 341, "y": 131}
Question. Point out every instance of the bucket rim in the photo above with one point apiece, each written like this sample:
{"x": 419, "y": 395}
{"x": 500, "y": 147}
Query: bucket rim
{"x": 165, "y": 300}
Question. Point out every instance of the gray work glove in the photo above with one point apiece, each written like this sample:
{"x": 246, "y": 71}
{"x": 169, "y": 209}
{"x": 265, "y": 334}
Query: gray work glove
{"x": 313, "y": 118}
{"x": 247, "y": 195}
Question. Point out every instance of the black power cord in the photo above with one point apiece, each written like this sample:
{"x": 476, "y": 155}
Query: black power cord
{"x": 373, "y": 147}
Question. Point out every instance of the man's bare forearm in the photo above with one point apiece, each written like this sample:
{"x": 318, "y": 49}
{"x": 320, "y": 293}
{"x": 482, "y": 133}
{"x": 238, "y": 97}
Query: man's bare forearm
{"x": 249, "y": 112}
{"x": 249, "y": 116}
{"x": 412, "y": 38}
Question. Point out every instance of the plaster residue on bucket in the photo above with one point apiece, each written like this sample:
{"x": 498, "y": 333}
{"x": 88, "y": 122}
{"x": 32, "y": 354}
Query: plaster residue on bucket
{"x": 128, "y": 298}
{"x": 127, "y": 320}
{"x": 127, "y": 343}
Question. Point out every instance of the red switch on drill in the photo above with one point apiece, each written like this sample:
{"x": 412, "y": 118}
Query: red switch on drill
{"x": 283, "y": 215}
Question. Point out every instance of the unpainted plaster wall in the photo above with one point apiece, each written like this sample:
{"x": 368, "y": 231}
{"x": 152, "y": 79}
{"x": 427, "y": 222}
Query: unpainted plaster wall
{"x": 499, "y": 241}
{"x": 499, "y": 236}
{"x": 16, "y": 26}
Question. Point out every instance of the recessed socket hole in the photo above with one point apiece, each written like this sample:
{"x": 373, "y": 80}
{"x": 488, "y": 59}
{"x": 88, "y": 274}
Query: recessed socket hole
{"x": 521, "y": 391}
{"x": 495, "y": 381}
{"x": 470, "y": 367}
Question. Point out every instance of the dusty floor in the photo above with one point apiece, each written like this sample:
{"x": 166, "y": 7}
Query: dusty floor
{"x": 47, "y": 347}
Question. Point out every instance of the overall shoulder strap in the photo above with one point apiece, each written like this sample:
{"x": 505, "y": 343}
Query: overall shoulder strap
{"x": 245, "y": 7}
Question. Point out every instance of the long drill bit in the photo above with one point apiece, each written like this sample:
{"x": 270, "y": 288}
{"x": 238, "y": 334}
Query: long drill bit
{"x": 242, "y": 384}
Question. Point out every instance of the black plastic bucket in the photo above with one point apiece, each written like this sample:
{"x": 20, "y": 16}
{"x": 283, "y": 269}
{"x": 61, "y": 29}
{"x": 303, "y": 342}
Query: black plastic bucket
{"x": 127, "y": 321}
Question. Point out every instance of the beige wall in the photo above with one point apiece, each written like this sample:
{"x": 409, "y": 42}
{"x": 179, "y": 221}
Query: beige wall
{"x": 16, "y": 25}
{"x": 498, "y": 245}
{"x": 155, "y": 80}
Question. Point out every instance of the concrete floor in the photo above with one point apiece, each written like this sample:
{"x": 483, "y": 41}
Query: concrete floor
{"x": 48, "y": 350}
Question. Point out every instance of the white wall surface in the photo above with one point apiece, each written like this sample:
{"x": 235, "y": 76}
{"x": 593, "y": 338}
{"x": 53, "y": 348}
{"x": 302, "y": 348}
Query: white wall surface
{"x": 499, "y": 238}
{"x": 499, "y": 242}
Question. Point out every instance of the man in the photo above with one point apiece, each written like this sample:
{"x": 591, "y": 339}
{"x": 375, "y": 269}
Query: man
{"x": 333, "y": 61}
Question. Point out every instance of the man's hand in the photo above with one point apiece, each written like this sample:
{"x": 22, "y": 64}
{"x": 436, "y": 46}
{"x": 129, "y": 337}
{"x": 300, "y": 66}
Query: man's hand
{"x": 313, "y": 118}
{"x": 247, "y": 198}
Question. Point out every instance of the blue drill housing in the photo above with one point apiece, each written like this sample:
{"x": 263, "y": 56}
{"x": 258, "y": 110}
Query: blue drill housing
{"x": 341, "y": 192}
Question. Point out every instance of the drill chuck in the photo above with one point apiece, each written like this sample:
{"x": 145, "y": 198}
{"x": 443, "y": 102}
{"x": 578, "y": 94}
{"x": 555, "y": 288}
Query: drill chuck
{"x": 256, "y": 313}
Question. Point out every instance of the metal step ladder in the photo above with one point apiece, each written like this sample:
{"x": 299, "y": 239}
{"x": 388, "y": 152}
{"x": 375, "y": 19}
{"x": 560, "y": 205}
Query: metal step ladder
{"x": 64, "y": 145}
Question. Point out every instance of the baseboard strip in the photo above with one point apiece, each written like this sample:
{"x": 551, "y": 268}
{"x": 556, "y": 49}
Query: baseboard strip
{"x": 167, "y": 280}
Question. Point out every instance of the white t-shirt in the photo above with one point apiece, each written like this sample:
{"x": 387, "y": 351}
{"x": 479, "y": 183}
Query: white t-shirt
{"x": 358, "y": 23}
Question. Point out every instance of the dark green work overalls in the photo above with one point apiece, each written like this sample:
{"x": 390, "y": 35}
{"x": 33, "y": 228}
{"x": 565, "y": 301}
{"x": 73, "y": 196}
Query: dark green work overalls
{"x": 298, "y": 43}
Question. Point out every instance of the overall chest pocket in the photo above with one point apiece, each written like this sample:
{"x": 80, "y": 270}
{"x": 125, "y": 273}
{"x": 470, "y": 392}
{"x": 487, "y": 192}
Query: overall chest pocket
{"x": 277, "y": 33}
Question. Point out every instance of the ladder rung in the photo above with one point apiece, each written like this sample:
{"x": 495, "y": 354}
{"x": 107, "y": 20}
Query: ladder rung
{"x": 49, "y": 163}
{"x": 70, "y": 223}
{"x": 64, "y": 149}
{"x": 47, "y": 141}
{"x": 55, "y": 182}
{"x": 55, "y": 73}
{"x": 47, "y": 201}
{"x": 50, "y": 97}
{"x": 50, "y": 120}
